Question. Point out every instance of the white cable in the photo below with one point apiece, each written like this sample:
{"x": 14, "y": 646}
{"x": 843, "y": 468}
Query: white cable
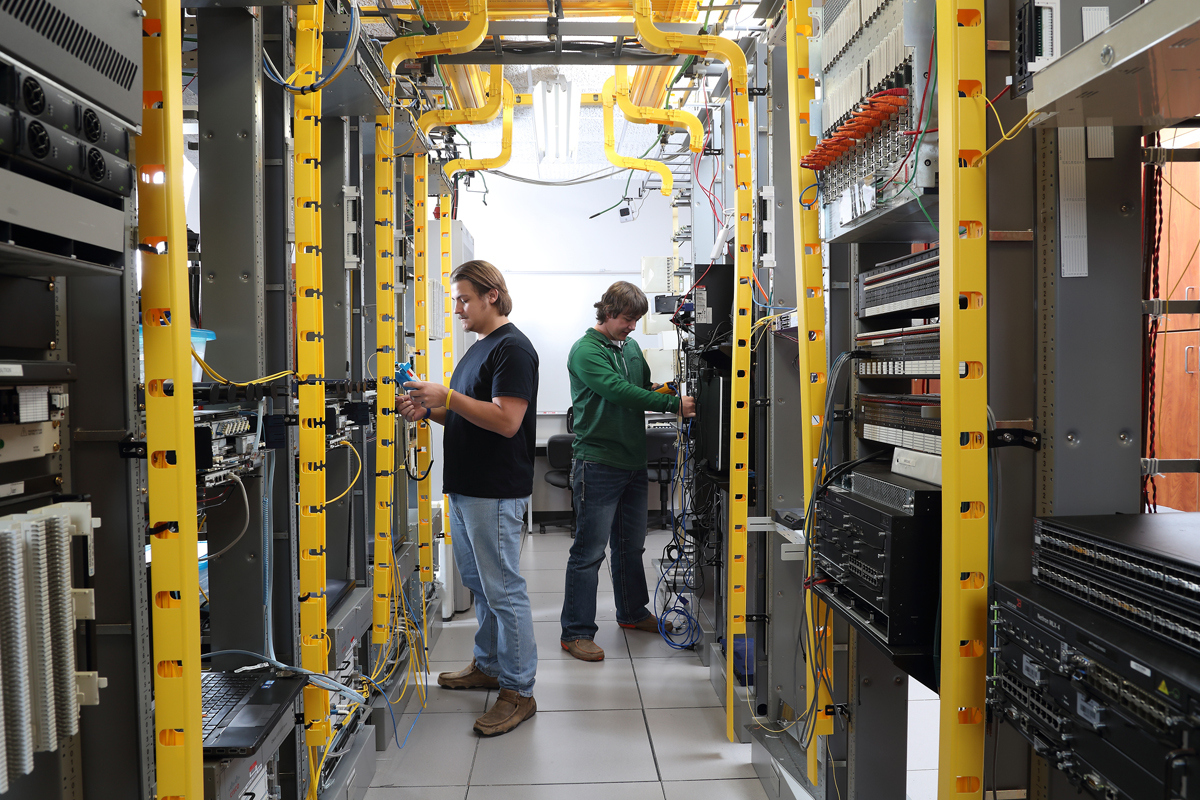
{"x": 245, "y": 527}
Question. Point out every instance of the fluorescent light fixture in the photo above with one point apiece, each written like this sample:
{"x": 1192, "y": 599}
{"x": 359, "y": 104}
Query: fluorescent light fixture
{"x": 556, "y": 119}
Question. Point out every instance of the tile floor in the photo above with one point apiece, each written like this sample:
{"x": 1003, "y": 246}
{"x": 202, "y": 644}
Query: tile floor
{"x": 644, "y": 724}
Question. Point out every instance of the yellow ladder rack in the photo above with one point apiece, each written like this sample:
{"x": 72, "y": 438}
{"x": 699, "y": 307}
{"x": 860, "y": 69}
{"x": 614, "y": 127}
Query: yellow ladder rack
{"x": 175, "y": 577}
{"x": 810, "y": 304}
{"x": 962, "y": 220}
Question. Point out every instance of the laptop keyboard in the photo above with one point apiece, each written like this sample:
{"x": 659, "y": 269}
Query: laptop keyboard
{"x": 220, "y": 692}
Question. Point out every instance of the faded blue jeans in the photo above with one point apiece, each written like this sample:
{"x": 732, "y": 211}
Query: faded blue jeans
{"x": 486, "y": 533}
{"x": 610, "y": 509}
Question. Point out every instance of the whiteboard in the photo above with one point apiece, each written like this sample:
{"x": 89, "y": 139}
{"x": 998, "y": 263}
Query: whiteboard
{"x": 554, "y": 310}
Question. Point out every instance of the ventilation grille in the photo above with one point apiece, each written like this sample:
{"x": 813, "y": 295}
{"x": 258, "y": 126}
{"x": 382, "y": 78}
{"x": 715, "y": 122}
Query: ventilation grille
{"x": 52, "y": 23}
{"x": 882, "y": 492}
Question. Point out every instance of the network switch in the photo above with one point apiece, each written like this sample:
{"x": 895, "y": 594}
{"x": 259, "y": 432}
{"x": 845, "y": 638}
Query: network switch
{"x": 1106, "y": 703}
{"x": 875, "y": 549}
{"x": 1143, "y": 569}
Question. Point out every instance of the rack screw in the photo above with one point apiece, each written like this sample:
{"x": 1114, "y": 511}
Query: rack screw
{"x": 1106, "y": 55}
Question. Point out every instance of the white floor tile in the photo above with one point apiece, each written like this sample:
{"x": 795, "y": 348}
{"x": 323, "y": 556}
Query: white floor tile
{"x": 547, "y": 606}
{"x": 673, "y": 683}
{"x": 550, "y": 541}
{"x": 690, "y": 744}
{"x": 651, "y": 790}
{"x": 568, "y": 747}
{"x": 549, "y": 637}
{"x": 922, "y": 784}
{"x": 743, "y": 789}
{"x": 456, "y": 642}
{"x": 923, "y": 734}
{"x": 573, "y": 685}
{"x": 544, "y": 559}
{"x": 417, "y": 793}
{"x": 439, "y": 752}
{"x": 651, "y": 645}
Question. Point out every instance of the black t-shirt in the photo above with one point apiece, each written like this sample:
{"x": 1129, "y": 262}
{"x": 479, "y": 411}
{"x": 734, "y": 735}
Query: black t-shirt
{"x": 480, "y": 463}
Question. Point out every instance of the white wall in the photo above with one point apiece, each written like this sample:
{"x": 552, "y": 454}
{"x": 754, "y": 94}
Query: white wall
{"x": 557, "y": 263}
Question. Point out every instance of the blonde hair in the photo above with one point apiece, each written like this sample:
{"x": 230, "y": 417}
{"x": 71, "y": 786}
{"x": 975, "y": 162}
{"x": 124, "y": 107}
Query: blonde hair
{"x": 485, "y": 278}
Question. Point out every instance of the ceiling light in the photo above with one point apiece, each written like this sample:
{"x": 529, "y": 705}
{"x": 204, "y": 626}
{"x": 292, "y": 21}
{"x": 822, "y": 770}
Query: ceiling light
{"x": 556, "y": 119}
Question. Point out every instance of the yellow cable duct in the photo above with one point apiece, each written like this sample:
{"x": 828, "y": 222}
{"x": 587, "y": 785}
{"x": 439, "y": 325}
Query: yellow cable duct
{"x": 653, "y": 115}
{"x": 628, "y": 162}
{"x": 664, "y": 10}
{"x": 444, "y": 117}
{"x": 467, "y": 164}
{"x": 467, "y": 86}
{"x": 405, "y": 48}
{"x": 649, "y": 86}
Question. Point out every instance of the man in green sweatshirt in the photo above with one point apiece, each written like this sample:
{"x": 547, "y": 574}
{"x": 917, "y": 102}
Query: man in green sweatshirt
{"x": 610, "y": 393}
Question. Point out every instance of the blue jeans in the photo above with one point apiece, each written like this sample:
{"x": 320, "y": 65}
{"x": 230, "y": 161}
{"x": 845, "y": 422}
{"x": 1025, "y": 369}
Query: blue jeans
{"x": 486, "y": 533}
{"x": 610, "y": 508}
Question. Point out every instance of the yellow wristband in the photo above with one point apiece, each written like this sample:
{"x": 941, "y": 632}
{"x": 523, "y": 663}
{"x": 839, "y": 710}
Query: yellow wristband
{"x": 448, "y": 393}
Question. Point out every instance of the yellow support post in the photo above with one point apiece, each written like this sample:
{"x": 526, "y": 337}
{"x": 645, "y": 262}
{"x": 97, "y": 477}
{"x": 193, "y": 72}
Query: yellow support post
{"x": 421, "y": 360}
{"x": 810, "y": 304}
{"x": 385, "y": 366}
{"x": 628, "y": 162}
{"x": 175, "y": 577}
{"x": 310, "y": 369}
{"x": 444, "y": 216}
{"x": 962, "y": 220}
{"x": 664, "y": 42}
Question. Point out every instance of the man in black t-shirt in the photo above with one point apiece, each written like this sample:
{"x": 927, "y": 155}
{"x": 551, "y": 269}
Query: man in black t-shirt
{"x": 489, "y": 412}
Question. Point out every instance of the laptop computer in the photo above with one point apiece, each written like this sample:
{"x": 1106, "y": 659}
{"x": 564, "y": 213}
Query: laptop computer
{"x": 241, "y": 708}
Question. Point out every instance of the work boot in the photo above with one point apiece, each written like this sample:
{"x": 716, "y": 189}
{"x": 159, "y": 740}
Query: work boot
{"x": 509, "y": 711}
{"x": 649, "y": 624}
{"x": 584, "y": 649}
{"x": 470, "y": 678}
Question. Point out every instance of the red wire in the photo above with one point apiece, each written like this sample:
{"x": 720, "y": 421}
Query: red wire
{"x": 921, "y": 113}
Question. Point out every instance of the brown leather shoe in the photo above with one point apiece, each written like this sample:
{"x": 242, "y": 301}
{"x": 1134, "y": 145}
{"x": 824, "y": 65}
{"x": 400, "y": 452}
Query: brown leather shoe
{"x": 509, "y": 711}
{"x": 584, "y": 649}
{"x": 649, "y": 624}
{"x": 470, "y": 678}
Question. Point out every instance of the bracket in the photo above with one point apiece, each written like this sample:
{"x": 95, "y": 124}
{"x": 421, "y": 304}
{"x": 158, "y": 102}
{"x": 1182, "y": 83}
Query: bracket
{"x": 757, "y": 91}
{"x": 712, "y": 151}
{"x": 131, "y": 448}
{"x": 1163, "y": 466}
{"x": 758, "y": 618}
{"x": 1015, "y": 437}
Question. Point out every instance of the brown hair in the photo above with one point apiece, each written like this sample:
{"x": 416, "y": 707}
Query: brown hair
{"x": 485, "y": 277}
{"x": 621, "y": 298}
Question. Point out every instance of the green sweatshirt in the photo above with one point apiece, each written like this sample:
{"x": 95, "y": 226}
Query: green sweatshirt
{"x": 610, "y": 392}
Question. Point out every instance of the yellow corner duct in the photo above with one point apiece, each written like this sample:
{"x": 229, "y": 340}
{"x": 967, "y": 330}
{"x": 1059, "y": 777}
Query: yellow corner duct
{"x": 626, "y": 162}
{"x": 405, "y": 48}
{"x": 444, "y": 117}
{"x": 650, "y": 115}
{"x": 467, "y": 164}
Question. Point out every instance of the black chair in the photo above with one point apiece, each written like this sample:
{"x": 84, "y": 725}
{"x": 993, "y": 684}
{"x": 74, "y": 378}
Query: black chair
{"x": 558, "y": 453}
{"x": 660, "y": 465}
